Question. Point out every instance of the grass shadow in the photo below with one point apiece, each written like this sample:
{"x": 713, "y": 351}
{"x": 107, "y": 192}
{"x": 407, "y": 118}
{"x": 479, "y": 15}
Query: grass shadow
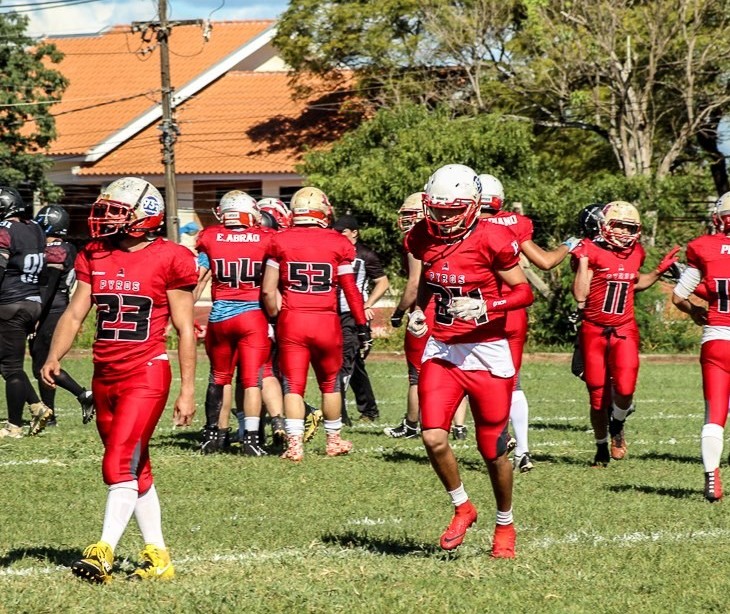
{"x": 401, "y": 546}
{"x": 186, "y": 440}
{"x": 404, "y": 455}
{"x": 561, "y": 460}
{"x": 676, "y": 458}
{"x": 55, "y": 556}
{"x": 675, "y": 493}
{"x": 558, "y": 426}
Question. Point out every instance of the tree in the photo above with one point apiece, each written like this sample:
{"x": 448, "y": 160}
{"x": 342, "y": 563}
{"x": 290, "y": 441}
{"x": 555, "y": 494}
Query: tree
{"x": 30, "y": 86}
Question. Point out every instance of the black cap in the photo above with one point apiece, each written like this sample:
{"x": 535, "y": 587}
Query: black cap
{"x": 348, "y": 222}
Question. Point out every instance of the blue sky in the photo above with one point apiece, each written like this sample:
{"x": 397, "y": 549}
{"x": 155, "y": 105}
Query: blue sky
{"x": 95, "y": 15}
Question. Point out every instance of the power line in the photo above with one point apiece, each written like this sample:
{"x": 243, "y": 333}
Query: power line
{"x": 43, "y": 6}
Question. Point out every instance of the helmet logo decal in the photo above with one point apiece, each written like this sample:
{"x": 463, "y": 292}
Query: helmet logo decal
{"x": 151, "y": 205}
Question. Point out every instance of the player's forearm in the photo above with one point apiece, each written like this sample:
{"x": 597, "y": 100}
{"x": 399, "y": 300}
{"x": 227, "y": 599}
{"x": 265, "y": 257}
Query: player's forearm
{"x": 186, "y": 351}
{"x": 381, "y": 285}
{"x": 269, "y": 287}
{"x": 543, "y": 259}
{"x": 423, "y": 295}
{"x": 646, "y": 280}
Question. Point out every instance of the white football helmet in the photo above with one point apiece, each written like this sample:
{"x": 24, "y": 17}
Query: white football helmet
{"x": 410, "y": 212}
{"x": 721, "y": 214}
{"x": 130, "y": 206}
{"x": 620, "y": 224}
{"x": 277, "y": 210}
{"x": 492, "y": 194}
{"x": 237, "y": 208}
{"x": 451, "y": 201}
{"x": 310, "y": 207}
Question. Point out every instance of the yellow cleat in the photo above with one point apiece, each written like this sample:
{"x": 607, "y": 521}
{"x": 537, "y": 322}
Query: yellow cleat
{"x": 155, "y": 565}
{"x": 40, "y": 415}
{"x": 96, "y": 564}
{"x": 311, "y": 424}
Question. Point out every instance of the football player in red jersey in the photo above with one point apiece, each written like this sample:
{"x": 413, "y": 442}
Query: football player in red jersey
{"x": 491, "y": 210}
{"x": 607, "y": 277}
{"x": 138, "y": 282}
{"x": 307, "y": 263}
{"x": 465, "y": 265}
{"x": 238, "y": 328}
{"x": 708, "y": 267}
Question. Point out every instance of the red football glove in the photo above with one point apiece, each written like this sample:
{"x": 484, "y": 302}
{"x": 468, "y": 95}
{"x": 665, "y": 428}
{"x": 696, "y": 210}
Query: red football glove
{"x": 667, "y": 261}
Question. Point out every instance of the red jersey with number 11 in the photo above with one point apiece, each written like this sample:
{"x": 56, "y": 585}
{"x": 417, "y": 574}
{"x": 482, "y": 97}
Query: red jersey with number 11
{"x": 129, "y": 290}
{"x": 710, "y": 255}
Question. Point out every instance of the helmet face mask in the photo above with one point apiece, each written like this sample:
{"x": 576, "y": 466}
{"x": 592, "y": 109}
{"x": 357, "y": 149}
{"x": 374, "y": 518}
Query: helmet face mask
{"x": 277, "y": 211}
{"x": 410, "y": 212}
{"x": 238, "y": 209}
{"x": 492, "y": 197}
{"x": 620, "y": 224}
{"x": 311, "y": 207}
{"x": 721, "y": 214}
{"x": 130, "y": 206}
{"x": 451, "y": 201}
{"x": 54, "y": 220}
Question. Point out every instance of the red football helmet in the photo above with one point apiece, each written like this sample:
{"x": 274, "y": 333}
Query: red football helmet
{"x": 451, "y": 201}
{"x": 721, "y": 214}
{"x": 276, "y": 209}
{"x": 310, "y": 207}
{"x": 129, "y": 206}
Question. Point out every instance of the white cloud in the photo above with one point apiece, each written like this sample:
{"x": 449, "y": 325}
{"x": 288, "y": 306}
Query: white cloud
{"x": 95, "y": 16}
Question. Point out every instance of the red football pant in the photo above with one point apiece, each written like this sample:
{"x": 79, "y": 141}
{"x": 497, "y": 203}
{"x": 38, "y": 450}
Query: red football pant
{"x": 441, "y": 388}
{"x": 611, "y": 361}
{"x": 516, "y": 333}
{"x": 241, "y": 339}
{"x": 715, "y": 363}
{"x": 127, "y": 412}
{"x": 304, "y": 337}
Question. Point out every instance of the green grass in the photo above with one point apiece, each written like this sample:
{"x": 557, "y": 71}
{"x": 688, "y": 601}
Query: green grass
{"x": 359, "y": 534}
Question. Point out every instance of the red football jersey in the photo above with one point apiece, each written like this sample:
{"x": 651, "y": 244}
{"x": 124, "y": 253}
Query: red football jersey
{"x": 129, "y": 290}
{"x": 611, "y": 295}
{"x": 520, "y": 224}
{"x": 236, "y": 258}
{"x": 465, "y": 268}
{"x": 310, "y": 260}
{"x": 710, "y": 255}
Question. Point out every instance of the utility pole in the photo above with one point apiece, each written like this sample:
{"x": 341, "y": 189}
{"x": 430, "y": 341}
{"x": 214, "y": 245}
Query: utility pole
{"x": 170, "y": 131}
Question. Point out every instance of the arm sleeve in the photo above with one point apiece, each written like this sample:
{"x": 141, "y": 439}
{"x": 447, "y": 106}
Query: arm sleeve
{"x": 353, "y": 296}
{"x": 520, "y": 296}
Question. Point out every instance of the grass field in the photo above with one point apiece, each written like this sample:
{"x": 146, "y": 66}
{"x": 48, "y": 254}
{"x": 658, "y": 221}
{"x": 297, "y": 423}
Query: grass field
{"x": 360, "y": 533}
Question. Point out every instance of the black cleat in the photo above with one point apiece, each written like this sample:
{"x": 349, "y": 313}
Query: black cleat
{"x": 209, "y": 444}
{"x": 603, "y": 456}
{"x": 88, "y": 411}
{"x": 250, "y": 445}
{"x": 278, "y": 431}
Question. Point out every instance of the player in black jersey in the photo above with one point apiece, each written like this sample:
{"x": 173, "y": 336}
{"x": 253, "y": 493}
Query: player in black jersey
{"x": 22, "y": 257}
{"x": 56, "y": 283}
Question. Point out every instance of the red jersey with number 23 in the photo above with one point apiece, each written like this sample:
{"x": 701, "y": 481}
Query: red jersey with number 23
{"x": 611, "y": 295}
{"x": 310, "y": 260}
{"x": 129, "y": 290}
{"x": 236, "y": 260}
{"x": 465, "y": 268}
{"x": 710, "y": 255}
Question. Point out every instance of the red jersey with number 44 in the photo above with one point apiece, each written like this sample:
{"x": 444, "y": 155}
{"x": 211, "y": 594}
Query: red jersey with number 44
{"x": 710, "y": 255}
{"x": 611, "y": 295}
{"x": 129, "y": 290}
{"x": 236, "y": 258}
{"x": 310, "y": 260}
{"x": 465, "y": 268}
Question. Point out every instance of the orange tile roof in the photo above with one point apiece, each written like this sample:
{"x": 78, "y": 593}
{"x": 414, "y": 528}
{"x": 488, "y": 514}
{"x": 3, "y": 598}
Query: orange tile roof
{"x": 112, "y": 82}
{"x": 246, "y": 122}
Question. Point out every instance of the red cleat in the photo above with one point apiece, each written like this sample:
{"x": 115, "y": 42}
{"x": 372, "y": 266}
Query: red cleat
{"x": 503, "y": 544}
{"x": 465, "y": 515}
{"x": 713, "y": 486}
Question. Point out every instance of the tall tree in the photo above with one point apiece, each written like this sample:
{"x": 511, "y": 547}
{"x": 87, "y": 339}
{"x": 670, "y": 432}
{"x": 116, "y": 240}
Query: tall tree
{"x": 30, "y": 87}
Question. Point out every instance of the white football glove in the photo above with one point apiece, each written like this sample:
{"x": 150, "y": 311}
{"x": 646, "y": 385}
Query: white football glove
{"x": 572, "y": 243}
{"x": 467, "y": 308}
{"x": 270, "y": 333}
{"x": 417, "y": 323}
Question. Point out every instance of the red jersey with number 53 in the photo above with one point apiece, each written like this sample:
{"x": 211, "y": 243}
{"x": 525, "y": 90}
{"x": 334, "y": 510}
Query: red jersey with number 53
{"x": 710, "y": 255}
{"x": 310, "y": 260}
{"x": 611, "y": 295}
{"x": 236, "y": 258}
{"x": 465, "y": 268}
{"x": 129, "y": 290}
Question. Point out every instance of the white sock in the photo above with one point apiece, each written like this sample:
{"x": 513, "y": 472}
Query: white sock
{"x": 120, "y": 504}
{"x": 620, "y": 414}
{"x": 149, "y": 518}
{"x": 459, "y": 495}
{"x": 712, "y": 442}
{"x": 251, "y": 425}
{"x": 294, "y": 426}
{"x": 518, "y": 415}
{"x": 505, "y": 518}
{"x": 333, "y": 426}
